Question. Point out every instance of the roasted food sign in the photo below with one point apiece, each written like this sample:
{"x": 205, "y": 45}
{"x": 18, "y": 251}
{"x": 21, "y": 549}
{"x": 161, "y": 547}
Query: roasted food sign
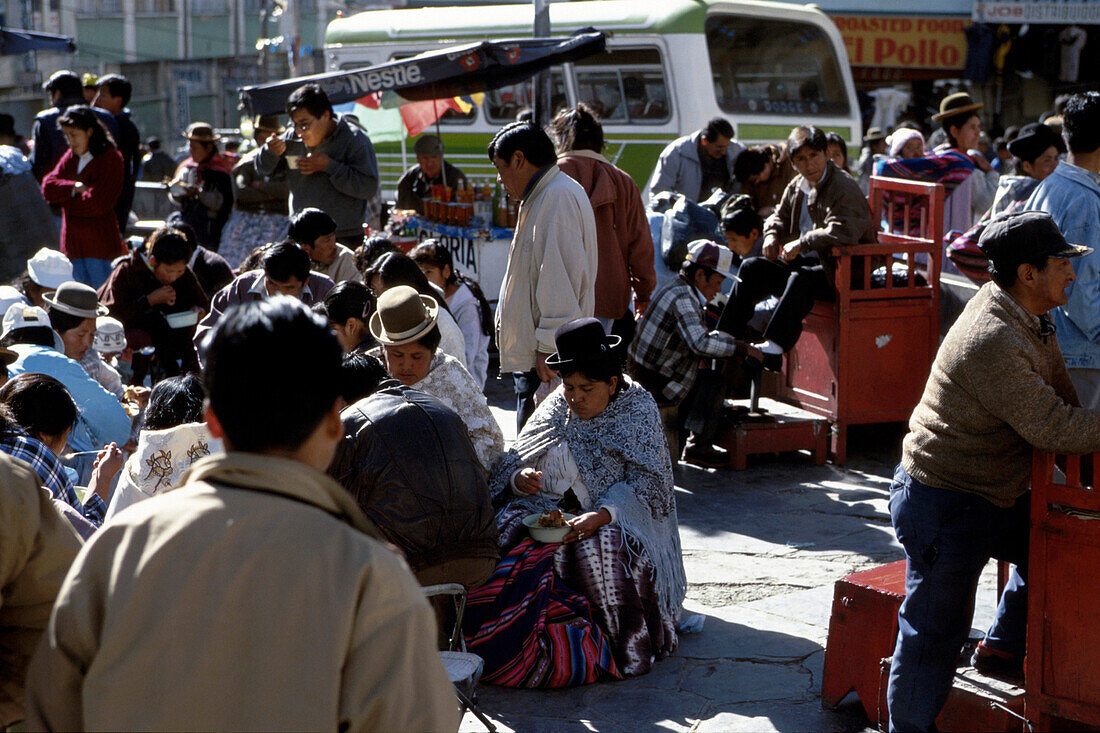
{"x": 916, "y": 43}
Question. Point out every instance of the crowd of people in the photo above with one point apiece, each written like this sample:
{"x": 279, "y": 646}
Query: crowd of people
{"x": 255, "y": 377}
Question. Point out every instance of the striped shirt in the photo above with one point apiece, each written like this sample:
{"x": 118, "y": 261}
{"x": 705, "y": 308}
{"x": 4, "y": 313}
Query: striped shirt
{"x": 52, "y": 472}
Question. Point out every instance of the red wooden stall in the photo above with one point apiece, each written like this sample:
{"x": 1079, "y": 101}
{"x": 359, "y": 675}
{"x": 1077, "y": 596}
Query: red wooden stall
{"x": 1063, "y": 633}
{"x": 865, "y": 357}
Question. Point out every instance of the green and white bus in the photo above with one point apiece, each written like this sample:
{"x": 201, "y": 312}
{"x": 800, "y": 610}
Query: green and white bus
{"x": 670, "y": 66}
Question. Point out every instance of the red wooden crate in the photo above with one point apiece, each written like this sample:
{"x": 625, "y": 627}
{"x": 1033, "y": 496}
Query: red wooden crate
{"x": 863, "y": 629}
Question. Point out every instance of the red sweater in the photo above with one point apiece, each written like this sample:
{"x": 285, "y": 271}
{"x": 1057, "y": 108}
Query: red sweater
{"x": 89, "y": 227}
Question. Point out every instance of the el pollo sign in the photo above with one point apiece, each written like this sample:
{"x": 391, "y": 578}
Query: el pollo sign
{"x": 919, "y": 43}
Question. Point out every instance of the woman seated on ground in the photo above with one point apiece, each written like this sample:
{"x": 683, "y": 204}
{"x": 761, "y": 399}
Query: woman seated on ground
{"x": 173, "y": 436}
{"x": 406, "y": 325}
{"x": 395, "y": 268}
{"x": 594, "y": 448}
{"x": 348, "y": 307}
{"x": 28, "y": 332}
{"x": 37, "y": 414}
{"x": 465, "y": 301}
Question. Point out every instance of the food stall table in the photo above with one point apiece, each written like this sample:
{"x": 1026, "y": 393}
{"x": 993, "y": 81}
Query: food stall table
{"x": 480, "y": 253}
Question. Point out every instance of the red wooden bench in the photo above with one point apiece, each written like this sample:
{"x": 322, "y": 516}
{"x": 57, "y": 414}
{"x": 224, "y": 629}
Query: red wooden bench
{"x": 865, "y": 357}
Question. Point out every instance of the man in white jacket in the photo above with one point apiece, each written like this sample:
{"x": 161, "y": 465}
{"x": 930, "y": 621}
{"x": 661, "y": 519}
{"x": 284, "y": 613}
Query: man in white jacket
{"x": 551, "y": 270}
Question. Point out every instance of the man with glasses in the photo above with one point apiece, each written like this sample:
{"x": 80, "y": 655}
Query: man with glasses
{"x": 331, "y": 164}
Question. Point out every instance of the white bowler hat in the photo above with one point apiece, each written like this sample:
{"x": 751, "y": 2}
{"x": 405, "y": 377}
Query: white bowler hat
{"x": 110, "y": 336}
{"x": 49, "y": 268}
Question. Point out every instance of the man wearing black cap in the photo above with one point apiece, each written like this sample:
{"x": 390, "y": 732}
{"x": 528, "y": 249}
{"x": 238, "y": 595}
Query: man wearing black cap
{"x": 1071, "y": 195}
{"x": 998, "y": 389}
{"x": 430, "y": 169}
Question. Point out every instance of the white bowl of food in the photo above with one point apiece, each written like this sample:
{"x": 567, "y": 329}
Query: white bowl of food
{"x": 292, "y": 161}
{"x": 547, "y": 527}
{"x": 183, "y": 319}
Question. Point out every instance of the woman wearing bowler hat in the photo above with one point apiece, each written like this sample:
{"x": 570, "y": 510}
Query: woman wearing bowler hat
{"x": 202, "y": 186}
{"x": 969, "y": 179}
{"x": 406, "y": 324}
{"x": 594, "y": 448}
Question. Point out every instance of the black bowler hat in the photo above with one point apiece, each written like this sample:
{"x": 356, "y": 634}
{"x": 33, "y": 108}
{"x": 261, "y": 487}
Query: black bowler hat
{"x": 581, "y": 341}
{"x": 1033, "y": 140}
{"x": 1009, "y": 240}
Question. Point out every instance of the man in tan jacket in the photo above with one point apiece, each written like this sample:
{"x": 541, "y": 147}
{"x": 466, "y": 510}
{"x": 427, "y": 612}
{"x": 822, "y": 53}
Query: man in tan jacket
{"x": 37, "y": 546}
{"x": 254, "y": 596}
{"x": 998, "y": 390}
{"x": 551, "y": 272}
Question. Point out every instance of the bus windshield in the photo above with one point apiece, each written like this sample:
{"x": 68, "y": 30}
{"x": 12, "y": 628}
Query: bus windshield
{"x": 770, "y": 66}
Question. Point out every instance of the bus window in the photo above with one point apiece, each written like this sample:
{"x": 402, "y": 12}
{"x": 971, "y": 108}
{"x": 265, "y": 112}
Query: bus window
{"x": 624, "y": 85}
{"x": 770, "y": 66}
{"x": 502, "y": 105}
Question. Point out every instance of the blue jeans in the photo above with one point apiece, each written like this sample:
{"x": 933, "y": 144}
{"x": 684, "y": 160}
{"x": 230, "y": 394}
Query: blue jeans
{"x": 948, "y": 537}
{"x": 91, "y": 271}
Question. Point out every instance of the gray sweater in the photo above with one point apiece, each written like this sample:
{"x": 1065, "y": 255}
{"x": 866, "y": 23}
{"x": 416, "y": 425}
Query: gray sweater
{"x": 346, "y": 186}
{"x": 997, "y": 390}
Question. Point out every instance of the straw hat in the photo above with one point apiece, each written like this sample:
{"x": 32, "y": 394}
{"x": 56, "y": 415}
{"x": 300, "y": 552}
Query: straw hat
{"x": 956, "y": 104}
{"x": 202, "y": 132}
{"x": 403, "y": 316}
{"x": 76, "y": 299}
{"x": 874, "y": 134}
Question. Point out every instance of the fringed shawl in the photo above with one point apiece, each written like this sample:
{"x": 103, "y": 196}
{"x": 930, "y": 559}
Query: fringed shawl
{"x": 624, "y": 462}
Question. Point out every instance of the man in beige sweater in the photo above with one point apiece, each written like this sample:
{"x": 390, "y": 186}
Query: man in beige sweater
{"x": 998, "y": 390}
{"x": 256, "y": 595}
{"x": 37, "y": 546}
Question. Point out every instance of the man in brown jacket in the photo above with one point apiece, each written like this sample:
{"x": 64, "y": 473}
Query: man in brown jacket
{"x": 254, "y": 596}
{"x": 821, "y": 208}
{"x": 622, "y": 231}
{"x": 37, "y": 546}
{"x": 998, "y": 389}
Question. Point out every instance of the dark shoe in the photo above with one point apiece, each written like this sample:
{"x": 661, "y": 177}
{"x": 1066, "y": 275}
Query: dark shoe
{"x": 992, "y": 664}
{"x": 707, "y": 455}
{"x": 772, "y": 362}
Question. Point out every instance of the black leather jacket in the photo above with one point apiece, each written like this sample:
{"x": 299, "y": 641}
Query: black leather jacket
{"x": 408, "y": 461}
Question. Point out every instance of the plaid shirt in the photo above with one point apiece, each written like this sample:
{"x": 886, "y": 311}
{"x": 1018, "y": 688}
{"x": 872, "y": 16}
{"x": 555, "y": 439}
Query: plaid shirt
{"x": 52, "y": 473}
{"x": 672, "y": 338}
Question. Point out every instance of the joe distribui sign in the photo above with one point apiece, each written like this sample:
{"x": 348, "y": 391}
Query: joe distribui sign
{"x": 916, "y": 43}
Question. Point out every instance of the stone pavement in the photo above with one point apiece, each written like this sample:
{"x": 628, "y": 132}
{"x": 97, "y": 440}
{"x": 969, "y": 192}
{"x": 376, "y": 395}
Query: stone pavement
{"x": 762, "y": 549}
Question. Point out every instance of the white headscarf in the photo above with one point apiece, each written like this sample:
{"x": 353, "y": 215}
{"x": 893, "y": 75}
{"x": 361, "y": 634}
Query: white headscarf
{"x": 896, "y": 140}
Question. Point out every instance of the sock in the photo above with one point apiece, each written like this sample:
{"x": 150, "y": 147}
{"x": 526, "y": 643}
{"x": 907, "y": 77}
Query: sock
{"x": 770, "y": 347}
